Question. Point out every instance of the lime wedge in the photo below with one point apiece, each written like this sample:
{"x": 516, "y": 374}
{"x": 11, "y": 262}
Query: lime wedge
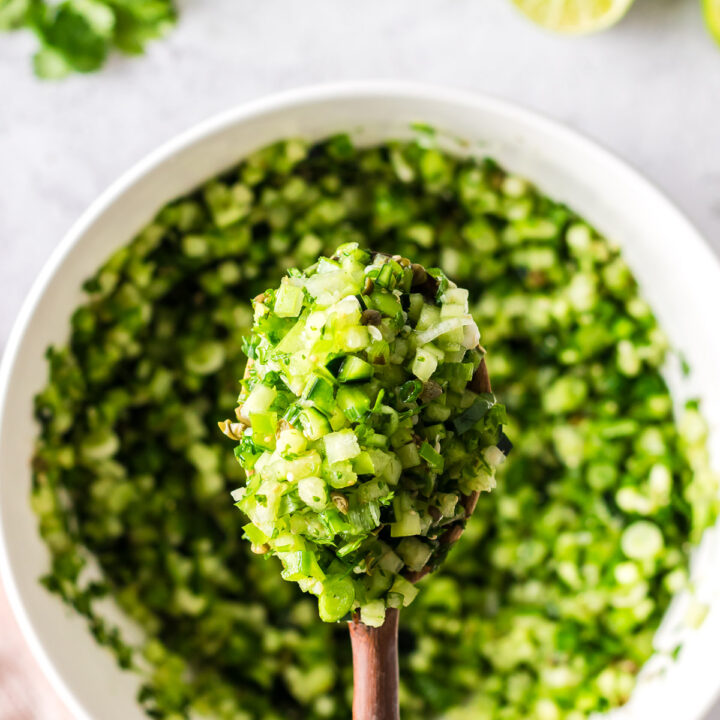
{"x": 578, "y": 16}
{"x": 711, "y": 11}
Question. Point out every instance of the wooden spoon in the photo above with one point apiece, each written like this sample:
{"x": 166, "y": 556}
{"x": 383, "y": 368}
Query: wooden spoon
{"x": 375, "y": 649}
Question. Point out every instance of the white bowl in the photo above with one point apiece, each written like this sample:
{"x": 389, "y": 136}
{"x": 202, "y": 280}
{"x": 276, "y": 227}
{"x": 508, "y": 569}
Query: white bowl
{"x": 679, "y": 276}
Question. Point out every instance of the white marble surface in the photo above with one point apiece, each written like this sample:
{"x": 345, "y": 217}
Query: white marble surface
{"x": 649, "y": 90}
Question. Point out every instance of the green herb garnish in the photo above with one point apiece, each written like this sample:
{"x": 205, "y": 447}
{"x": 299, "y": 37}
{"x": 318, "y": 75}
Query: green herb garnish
{"x": 79, "y": 35}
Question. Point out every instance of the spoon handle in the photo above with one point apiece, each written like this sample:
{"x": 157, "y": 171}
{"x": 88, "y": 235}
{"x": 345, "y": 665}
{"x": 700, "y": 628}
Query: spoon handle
{"x": 375, "y": 669}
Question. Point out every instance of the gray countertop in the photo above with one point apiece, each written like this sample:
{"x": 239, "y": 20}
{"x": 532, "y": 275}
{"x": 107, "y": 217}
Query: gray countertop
{"x": 648, "y": 90}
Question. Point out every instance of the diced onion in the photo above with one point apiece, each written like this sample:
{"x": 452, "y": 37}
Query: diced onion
{"x": 427, "y": 336}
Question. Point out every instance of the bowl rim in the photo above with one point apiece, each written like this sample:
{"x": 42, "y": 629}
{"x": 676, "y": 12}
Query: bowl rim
{"x": 274, "y": 102}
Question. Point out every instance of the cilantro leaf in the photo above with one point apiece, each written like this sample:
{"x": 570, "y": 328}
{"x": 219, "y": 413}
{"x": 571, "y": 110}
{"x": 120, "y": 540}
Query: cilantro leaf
{"x": 79, "y": 35}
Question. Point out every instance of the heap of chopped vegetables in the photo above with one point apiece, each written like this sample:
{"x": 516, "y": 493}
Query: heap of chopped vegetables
{"x": 582, "y": 544}
{"x": 362, "y": 426}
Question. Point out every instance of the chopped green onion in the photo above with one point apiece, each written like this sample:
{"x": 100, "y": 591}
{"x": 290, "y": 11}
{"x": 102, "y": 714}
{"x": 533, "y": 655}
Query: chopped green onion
{"x": 537, "y": 612}
{"x": 373, "y": 459}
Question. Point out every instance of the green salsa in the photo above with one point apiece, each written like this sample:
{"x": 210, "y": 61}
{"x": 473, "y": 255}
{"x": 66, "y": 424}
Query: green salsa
{"x": 547, "y": 606}
{"x": 366, "y": 427}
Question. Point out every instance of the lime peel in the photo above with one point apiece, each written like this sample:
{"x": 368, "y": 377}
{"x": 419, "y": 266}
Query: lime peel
{"x": 711, "y": 13}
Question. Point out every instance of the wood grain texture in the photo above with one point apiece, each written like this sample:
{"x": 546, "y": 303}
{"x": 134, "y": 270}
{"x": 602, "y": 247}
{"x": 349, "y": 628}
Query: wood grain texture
{"x": 375, "y": 669}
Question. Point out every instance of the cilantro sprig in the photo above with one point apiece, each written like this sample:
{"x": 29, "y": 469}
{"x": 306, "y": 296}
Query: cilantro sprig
{"x": 79, "y": 35}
